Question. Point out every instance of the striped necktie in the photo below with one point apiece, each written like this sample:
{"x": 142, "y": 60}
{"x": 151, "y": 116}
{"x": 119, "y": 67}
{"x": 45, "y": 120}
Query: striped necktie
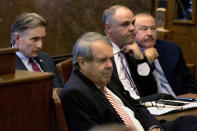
{"x": 127, "y": 72}
{"x": 121, "y": 112}
{"x": 35, "y": 67}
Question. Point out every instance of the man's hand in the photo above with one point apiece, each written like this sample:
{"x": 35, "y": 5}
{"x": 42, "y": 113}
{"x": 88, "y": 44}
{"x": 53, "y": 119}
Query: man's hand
{"x": 134, "y": 50}
{"x": 156, "y": 129}
{"x": 151, "y": 54}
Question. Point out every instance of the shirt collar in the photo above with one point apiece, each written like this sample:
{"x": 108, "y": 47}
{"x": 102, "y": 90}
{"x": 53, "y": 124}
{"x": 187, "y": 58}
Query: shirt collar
{"x": 116, "y": 49}
{"x": 100, "y": 88}
{"x": 22, "y": 57}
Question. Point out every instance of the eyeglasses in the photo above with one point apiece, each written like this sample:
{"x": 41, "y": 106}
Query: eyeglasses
{"x": 144, "y": 29}
{"x": 161, "y": 104}
{"x": 153, "y": 104}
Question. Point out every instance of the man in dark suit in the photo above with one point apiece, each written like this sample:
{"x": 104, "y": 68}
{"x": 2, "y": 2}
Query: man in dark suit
{"x": 85, "y": 97}
{"x": 119, "y": 28}
{"x": 28, "y": 32}
{"x": 172, "y": 74}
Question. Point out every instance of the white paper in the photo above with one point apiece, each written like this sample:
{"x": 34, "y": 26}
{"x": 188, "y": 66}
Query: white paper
{"x": 168, "y": 108}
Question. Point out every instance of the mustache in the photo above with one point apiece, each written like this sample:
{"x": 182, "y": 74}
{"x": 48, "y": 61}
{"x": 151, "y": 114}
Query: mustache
{"x": 149, "y": 38}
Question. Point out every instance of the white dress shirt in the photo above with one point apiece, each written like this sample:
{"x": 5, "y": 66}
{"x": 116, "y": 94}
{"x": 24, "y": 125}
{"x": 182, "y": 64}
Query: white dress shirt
{"x": 122, "y": 74}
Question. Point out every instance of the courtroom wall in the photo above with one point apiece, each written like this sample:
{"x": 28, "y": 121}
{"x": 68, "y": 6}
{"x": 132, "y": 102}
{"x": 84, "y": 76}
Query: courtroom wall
{"x": 67, "y": 19}
{"x": 183, "y": 34}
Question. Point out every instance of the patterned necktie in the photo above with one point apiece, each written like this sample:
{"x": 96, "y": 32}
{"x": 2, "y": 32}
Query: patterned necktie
{"x": 122, "y": 113}
{"x": 35, "y": 67}
{"x": 127, "y": 72}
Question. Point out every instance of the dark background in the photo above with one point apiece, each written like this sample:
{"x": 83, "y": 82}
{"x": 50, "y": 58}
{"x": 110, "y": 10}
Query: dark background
{"x": 67, "y": 19}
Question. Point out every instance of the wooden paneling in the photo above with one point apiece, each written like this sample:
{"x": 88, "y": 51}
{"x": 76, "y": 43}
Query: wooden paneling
{"x": 182, "y": 34}
{"x": 8, "y": 59}
{"x": 26, "y": 101}
{"x": 67, "y": 19}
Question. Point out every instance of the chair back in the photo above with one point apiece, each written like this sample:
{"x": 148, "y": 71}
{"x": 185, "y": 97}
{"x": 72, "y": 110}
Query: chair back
{"x": 192, "y": 69}
{"x": 65, "y": 68}
{"x": 59, "y": 117}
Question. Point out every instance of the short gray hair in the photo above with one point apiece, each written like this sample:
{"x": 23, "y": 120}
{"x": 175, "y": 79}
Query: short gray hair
{"x": 26, "y": 21}
{"x": 82, "y": 47}
{"x": 109, "y": 13}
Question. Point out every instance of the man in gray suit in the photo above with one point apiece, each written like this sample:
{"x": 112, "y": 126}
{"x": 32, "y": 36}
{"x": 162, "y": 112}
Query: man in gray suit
{"x": 28, "y": 32}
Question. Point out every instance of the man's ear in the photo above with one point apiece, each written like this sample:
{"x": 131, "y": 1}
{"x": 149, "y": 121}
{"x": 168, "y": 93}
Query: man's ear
{"x": 81, "y": 62}
{"x": 108, "y": 28}
{"x": 16, "y": 38}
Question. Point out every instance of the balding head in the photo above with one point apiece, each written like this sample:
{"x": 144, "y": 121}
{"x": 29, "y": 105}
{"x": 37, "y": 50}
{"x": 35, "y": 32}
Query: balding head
{"x": 110, "y": 12}
{"x": 119, "y": 26}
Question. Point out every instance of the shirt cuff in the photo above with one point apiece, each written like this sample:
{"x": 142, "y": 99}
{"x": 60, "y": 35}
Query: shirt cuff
{"x": 143, "y": 69}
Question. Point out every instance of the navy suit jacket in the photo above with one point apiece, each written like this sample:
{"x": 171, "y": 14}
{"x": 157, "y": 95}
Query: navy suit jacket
{"x": 86, "y": 106}
{"x": 173, "y": 64}
{"x": 47, "y": 64}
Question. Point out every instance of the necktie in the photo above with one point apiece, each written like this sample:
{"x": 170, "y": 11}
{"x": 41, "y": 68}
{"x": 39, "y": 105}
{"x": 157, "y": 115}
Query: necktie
{"x": 127, "y": 72}
{"x": 35, "y": 67}
{"x": 122, "y": 113}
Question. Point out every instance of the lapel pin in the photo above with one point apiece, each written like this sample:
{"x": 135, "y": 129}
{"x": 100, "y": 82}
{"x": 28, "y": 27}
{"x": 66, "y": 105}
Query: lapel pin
{"x": 41, "y": 60}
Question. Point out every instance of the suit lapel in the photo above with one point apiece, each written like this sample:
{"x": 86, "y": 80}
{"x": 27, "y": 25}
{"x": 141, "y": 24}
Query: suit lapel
{"x": 42, "y": 64}
{"x": 95, "y": 90}
{"x": 162, "y": 58}
{"x": 115, "y": 72}
{"x": 90, "y": 85}
{"x": 19, "y": 64}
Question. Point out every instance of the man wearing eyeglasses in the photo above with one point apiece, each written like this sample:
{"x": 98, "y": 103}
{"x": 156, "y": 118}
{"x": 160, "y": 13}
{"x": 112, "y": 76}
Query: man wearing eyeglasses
{"x": 170, "y": 70}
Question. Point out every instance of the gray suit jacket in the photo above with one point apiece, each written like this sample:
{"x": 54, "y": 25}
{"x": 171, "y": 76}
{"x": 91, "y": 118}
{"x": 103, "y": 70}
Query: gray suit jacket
{"x": 47, "y": 64}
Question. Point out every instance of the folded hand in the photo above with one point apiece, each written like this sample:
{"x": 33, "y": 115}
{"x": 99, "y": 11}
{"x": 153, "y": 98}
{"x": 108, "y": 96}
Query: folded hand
{"x": 151, "y": 54}
{"x": 134, "y": 50}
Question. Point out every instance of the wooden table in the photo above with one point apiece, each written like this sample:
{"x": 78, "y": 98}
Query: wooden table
{"x": 189, "y": 96}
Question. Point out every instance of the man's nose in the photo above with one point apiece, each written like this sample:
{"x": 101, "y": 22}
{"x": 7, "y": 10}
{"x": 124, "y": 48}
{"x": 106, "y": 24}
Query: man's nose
{"x": 39, "y": 44}
{"x": 109, "y": 63}
{"x": 149, "y": 32}
{"x": 131, "y": 27}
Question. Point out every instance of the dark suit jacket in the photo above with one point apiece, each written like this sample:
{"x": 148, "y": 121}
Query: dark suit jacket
{"x": 146, "y": 85}
{"x": 86, "y": 106}
{"x": 47, "y": 64}
{"x": 173, "y": 64}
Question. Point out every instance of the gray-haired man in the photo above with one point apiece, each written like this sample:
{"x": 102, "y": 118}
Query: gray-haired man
{"x": 27, "y": 34}
{"x": 88, "y": 101}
